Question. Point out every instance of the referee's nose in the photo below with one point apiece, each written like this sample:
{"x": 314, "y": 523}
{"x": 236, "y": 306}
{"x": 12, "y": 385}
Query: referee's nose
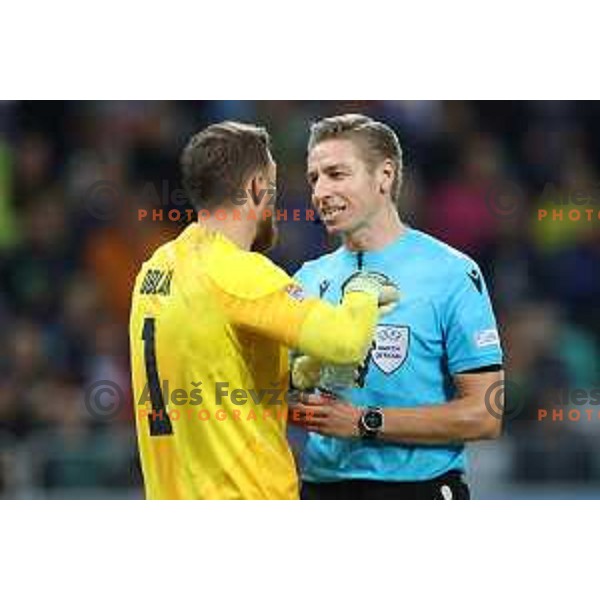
{"x": 321, "y": 193}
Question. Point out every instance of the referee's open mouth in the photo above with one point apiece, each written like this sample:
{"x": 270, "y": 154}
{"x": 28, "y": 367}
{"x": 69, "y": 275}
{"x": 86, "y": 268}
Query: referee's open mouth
{"x": 330, "y": 213}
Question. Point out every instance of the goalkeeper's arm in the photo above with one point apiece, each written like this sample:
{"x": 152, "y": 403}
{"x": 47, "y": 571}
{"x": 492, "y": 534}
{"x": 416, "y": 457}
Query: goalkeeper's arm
{"x": 339, "y": 334}
{"x": 366, "y": 294}
{"x": 336, "y": 334}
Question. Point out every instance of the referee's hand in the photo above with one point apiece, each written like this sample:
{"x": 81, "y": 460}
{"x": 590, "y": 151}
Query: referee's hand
{"x": 326, "y": 415}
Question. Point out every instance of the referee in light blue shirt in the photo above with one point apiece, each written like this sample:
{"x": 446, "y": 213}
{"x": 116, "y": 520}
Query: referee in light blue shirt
{"x": 400, "y": 434}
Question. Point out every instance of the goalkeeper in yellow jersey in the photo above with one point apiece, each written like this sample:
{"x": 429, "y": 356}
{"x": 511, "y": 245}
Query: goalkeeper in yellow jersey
{"x": 211, "y": 324}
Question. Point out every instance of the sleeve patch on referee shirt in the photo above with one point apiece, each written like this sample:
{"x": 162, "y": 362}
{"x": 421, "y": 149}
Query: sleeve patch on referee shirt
{"x": 487, "y": 337}
{"x": 295, "y": 291}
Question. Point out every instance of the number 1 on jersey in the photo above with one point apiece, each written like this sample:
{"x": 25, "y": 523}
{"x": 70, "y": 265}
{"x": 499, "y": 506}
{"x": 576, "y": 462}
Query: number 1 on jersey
{"x": 159, "y": 421}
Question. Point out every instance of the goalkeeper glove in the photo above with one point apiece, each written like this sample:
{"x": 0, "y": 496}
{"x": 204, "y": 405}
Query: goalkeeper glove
{"x": 306, "y": 372}
{"x": 378, "y": 285}
{"x": 337, "y": 377}
{"x": 309, "y": 373}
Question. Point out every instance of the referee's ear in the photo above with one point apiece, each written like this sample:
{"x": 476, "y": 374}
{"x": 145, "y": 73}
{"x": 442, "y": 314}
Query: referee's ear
{"x": 386, "y": 173}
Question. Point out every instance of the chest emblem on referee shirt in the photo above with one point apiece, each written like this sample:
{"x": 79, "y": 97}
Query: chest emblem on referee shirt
{"x": 392, "y": 343}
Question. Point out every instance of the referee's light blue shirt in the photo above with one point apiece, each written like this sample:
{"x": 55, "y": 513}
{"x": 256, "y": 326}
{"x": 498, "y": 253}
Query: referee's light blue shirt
{"x": 442, "y": 325}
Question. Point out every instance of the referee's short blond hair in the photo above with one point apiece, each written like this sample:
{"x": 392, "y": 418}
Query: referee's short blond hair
{"x": 376, "y": 140}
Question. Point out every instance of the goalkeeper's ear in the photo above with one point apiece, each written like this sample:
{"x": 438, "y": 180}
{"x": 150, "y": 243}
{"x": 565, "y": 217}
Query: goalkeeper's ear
{"x": 255, "y": 192}
{"x": 261, "y": 190}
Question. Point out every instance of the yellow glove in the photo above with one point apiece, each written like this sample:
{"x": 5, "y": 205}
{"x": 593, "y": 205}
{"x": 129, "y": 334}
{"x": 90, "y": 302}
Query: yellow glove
{"x": 377, "y": 284}
{"x": 306, "y": 372}
{"x": 309, "y": 373}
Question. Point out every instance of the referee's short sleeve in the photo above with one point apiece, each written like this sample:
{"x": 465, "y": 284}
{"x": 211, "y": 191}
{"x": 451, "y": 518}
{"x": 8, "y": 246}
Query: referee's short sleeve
{"x": 469, "y": 327}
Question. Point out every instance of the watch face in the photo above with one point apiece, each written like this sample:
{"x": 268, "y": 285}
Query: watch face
{"x": 373, "y": 419}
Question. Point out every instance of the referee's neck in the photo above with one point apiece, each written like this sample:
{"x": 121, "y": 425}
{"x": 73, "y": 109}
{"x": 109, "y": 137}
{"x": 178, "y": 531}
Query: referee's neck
{"x": 376, "y": 234}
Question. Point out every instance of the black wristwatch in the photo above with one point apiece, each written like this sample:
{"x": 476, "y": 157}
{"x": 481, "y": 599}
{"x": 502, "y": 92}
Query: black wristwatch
{"x": 370, "y": 424}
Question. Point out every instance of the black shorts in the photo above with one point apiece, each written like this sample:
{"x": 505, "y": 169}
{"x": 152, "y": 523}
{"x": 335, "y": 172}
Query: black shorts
{"x": 450, "y": 486}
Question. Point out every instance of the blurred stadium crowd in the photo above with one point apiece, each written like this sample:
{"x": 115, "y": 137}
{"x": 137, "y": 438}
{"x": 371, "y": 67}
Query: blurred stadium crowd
{"x": 66, "y": 266}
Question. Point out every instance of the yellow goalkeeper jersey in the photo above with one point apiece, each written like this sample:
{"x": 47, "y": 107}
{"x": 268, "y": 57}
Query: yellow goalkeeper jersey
{"x": 209, "y": 327}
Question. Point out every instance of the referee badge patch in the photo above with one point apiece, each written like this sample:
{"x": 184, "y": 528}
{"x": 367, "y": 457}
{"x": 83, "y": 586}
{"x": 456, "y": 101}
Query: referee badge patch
{"x": 295, "y": 291}
{"x": 487, "y": 337}
{"x": 391, "y": 347}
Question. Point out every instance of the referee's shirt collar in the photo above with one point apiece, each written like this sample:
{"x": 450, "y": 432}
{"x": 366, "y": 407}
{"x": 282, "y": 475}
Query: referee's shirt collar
{"x": 393, "y": 247}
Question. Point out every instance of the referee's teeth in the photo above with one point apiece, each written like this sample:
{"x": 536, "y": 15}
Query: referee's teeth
{"x": 333, "y": 210}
